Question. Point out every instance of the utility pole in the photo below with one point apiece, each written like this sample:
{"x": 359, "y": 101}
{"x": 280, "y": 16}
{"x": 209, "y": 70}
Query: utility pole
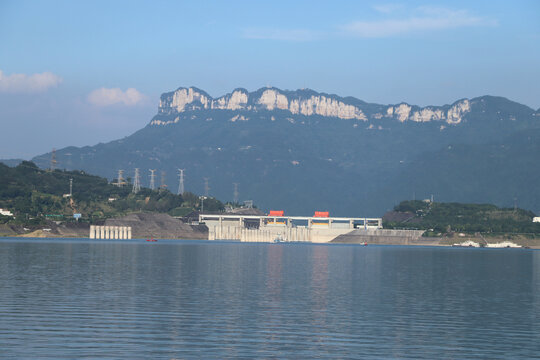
{"x": 152, "y": 179}
{"x": 235, "y": 194}
{"x": 181, "y": 183}
{"x": 202, "y": 198}
{"x": 206, "y": 186}
{"x": 137, "y": 181}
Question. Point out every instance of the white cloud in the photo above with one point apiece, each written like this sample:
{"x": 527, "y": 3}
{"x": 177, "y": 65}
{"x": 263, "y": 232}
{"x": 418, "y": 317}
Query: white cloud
{"x": 387, "y": 8}
{"x": 106, "y": 97}
{"x": 22, "y": 83}
{"x": 280, "y": 34}
{"x": 429, "y": 19}
{"x": 395, "y": 20}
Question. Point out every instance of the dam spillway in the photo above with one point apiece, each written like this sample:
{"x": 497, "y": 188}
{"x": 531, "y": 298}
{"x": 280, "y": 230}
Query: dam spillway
{"x": 253, "y": 228}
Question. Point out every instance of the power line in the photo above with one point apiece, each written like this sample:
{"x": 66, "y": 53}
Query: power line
{"x": 137, "y": 181}
{"x": 235, "y": 194}
{"x": 181, "y": 181}
{"x": 120, "y": 179}
{"x": 163, "y": 185}
{"x": 206, "y": 186}
{"x": 53, "y": 160}
{"x": 152, "y": 179}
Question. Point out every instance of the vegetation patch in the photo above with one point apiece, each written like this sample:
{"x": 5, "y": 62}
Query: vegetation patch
{"x": 442, "y": 219}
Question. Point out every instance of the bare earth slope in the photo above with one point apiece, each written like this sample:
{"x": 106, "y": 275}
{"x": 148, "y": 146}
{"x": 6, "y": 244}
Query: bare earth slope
{"x": 161, "y": 226}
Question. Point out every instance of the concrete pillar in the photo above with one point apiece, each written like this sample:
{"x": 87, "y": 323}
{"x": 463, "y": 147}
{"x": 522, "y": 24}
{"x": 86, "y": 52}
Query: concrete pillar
{"x": 92, "y": 234}
{"x": 329, "y": 223}
{"x": 129, "y": 232}
{"x": 379, "y": 223}
{"x": 116, "y": 231}
{"x": 309, "y": 223}
{"x": 261, "y": 222}
{"x": 241, "y": 222}
{"x": 351, "y": 224}
{"x": 102, "y": 232}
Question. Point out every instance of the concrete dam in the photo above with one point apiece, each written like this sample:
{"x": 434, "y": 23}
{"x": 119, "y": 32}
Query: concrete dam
{"x": 276, "y": 227}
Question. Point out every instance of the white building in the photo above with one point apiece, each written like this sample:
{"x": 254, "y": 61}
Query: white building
{"x": 536, "y": 219}
{"x": 6, "y": 212}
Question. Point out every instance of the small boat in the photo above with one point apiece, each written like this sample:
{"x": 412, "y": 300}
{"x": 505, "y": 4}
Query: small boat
{"x": 278, "y": 239}
{"x": 151, "y": 239}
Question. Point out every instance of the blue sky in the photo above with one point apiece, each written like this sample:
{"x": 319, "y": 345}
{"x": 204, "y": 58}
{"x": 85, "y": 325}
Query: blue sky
{"x": 79, "y": 73}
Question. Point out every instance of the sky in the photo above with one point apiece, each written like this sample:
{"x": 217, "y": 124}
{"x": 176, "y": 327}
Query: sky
{"x": 79, "y": 73}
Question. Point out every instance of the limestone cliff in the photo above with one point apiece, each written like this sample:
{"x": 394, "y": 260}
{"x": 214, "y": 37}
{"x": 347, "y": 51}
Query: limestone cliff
{"x": 304, "y": 102}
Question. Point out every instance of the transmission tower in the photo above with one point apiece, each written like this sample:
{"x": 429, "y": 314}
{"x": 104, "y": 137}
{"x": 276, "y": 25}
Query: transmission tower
{"x": 181, "y": 182}
{"x": 163, "y": 185}
{"x": 120, "y": 179}
{"x": 206, "y": 186}
{"x": 53, "y": 160}
{"x": 235, "y": 194}
{"x": 153, "y": 179}
{"x": 137, "y": 181}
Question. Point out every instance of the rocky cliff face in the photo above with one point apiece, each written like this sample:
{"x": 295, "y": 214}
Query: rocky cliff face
{"x": 307, "y": 103}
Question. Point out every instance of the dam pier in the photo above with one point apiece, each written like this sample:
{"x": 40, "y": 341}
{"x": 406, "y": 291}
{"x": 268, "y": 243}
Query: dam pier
{"x": 110, "y": 232}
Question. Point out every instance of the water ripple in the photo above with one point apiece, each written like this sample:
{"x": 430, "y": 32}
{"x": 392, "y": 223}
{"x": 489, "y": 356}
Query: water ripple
{"x": 213, "y": 300}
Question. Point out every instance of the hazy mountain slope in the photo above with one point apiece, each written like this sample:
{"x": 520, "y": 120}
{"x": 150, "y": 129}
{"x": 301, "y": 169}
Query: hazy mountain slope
{"x": 503, "y": 171}
{"x": 301, "y": 150}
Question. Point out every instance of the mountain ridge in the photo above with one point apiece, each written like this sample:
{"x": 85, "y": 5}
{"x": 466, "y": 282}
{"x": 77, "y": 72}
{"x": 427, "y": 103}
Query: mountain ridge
{"x": 309, "y": 102}
{"x": 305, "y": 161}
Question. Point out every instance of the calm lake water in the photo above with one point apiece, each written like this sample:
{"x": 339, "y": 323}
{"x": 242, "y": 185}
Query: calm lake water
{"x": 187, "y": 299}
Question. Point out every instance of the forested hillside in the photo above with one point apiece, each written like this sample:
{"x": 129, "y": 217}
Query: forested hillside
{"x": 443, "y": 218}
{"x": 36, "y": 195}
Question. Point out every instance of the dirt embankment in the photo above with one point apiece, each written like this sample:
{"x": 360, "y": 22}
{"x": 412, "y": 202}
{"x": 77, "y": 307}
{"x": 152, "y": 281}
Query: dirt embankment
{"x": 414, "y": 237}
{"x": 66, "y": 230}
{"x": 386, "y": 237}
{"x": 143, "y": 225}
{"x": 159, "y": 226}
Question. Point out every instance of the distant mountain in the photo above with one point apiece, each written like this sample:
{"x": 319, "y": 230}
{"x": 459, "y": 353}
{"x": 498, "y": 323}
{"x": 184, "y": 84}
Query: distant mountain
{"x": 302, "y": 151}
